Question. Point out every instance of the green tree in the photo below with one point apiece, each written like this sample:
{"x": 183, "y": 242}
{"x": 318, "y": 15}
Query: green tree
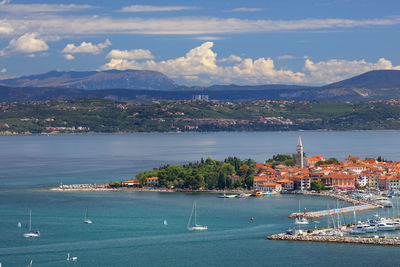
{"x": 221, "y": 180}
{"x": 317, "y": 185}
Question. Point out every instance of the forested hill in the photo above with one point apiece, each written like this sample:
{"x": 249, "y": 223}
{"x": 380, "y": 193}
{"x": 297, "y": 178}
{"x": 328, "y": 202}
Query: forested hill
{"x": 101, "y": 115}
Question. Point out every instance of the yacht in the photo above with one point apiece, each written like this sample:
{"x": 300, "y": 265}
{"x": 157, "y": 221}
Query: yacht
{"x": 386, "y": 226}
{"x": 363, "y": 228}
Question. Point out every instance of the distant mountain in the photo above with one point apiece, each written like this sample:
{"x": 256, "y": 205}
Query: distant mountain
{"x": 234, "y": 87}
{"x": 92, "y": 80}
{"x": 373, "y": 85}
{"x": 376, "y": 79}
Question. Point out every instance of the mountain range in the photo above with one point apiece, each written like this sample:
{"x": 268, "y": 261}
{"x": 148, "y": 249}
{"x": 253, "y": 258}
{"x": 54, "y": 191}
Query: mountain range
{"x": 152, "y": 85}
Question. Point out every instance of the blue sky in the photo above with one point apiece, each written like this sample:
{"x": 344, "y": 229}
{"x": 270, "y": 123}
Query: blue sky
{"x": 203, "y": 42}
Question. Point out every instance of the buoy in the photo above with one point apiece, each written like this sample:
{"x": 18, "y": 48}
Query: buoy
{"x": 252, "y": 219}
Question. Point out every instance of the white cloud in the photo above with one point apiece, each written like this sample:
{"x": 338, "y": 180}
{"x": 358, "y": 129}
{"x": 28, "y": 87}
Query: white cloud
{"x": 131, "y": 54}
{"x": 246, "y": 9}
{"x": 144, "y": 8}
{"x": 285, "y": 57}
{"x": 37, "y": 8}
{"x": 335, "y": 70}
{"x": 3, "y": 70}
{"x": 47, "y": 24}
{"x": 200, "y": 65}
{"x": 208, "y": 38}
{"x": 69, "y": 57}
{"x": 231, "y": 58}
{"x": 27, "y": 43}
{"x": 5, "y": 28}
{"x": 85, "y": 47}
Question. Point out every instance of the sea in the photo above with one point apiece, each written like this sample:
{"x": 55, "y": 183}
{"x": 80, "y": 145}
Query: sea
{"x": 128, "y": 227}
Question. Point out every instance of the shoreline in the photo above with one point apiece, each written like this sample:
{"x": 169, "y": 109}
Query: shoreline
{"x": 192, "y": 132}
{"x": 94, "y": 189}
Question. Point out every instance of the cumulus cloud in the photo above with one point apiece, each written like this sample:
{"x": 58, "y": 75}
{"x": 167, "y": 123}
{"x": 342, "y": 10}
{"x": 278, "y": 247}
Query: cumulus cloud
{"x": 27, "y": 43}
{"x": 200, "y": 65}
{"x": 5, "y": 28}
{"x": 144, "y": 8}
{"x": 246, "y": 9}
{"x": 86, "y": 47}
{"x": 5, "y": 7}
{"x": 3, "y": 70}
{"x": 335, "y": 70}
{"x": 69, "y": 57}
{"x": 131, "y": 54}
{"x": 286, "y": 57}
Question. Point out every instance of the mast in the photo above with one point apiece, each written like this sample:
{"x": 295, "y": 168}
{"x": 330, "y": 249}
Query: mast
{"x": 195, "y": 214}
{"x": 30, "y": 220}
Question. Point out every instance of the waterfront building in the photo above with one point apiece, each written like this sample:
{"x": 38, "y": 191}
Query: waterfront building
{"x": 131, "y": 183}
{"x": 152, "y": 181}
{"x": 270, "y": 187}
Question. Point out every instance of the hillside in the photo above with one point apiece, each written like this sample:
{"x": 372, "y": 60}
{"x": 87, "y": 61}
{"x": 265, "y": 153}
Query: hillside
{"x": 90, "y": 80}
{"x": 101, "y": 115}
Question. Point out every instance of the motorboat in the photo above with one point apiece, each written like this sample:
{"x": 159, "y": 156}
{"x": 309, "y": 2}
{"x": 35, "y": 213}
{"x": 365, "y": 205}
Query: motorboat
{"x": 386, "y": 226}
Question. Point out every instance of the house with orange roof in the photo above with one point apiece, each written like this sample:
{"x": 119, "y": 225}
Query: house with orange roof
{"x": 257, "y": 180}
{"x": 131, "y": 183}
{"x": 152, "y": 181}
{"x": 270, "y": 187}
{"x": 286, "y": 184}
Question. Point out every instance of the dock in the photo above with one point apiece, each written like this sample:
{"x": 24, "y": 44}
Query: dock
{"x": 330, "y": 212}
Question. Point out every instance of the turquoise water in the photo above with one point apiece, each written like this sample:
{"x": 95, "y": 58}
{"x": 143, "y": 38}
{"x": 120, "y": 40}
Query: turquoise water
{"x": 128, "y": 228}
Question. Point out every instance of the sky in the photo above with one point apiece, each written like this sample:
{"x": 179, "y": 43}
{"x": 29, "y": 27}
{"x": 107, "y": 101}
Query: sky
{"x": 203, "y": 42}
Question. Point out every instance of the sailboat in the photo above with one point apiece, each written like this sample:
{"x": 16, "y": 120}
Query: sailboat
{"x": 71, "y": 258}
{"x": 30, "y": 264}
{"x": 301, "y": 219}
{"x": 195, "y": 226}
{"x": 165, "y": 222}
{"x": 30, "y": 233}
{"x": 87, "y": 220}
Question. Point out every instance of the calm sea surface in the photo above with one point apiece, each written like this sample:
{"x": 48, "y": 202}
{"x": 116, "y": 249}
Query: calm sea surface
{"x": 128, "y": 227}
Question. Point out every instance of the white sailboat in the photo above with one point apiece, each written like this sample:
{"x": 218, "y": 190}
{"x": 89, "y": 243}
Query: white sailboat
{"x": 301, "y": 219}
{"x": 165, "y": 222}
{"x": 87, "y": 220}
{"x": 30, "y": 264}
{"x": 69, "y": 258}
{"x": 195, "y": 226}
{"x": 30, "y": 233}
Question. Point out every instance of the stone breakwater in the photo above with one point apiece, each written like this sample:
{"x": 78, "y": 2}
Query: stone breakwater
{"x": 337, "y": 239}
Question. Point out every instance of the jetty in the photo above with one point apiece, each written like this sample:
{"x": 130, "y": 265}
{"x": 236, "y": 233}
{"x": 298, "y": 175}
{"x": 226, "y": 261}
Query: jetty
{"x": 365, "y": 240}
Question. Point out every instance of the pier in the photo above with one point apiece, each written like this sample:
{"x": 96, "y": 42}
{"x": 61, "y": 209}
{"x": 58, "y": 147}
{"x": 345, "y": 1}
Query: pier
{"x": 359, "y": 206}
{"x": 323, "y": 213}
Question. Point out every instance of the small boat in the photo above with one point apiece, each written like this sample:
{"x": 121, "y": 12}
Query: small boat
{"x": 87, "y": 220}
{"x": 69, "y": 258}
{"x": 243, "y": 195}
{"x": 195, "y": 226}
{"x": 227, "y": 196}
{"x": 19, "y": 226}
{"x": 30, "y": 264}
{"x": 165, "y": 222}
{"x": 30, "y": 232}
{"x": 301, "y": 220}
